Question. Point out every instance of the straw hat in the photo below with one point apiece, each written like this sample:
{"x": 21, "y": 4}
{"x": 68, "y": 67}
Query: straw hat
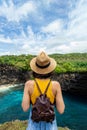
{"x": 42, "y": 64}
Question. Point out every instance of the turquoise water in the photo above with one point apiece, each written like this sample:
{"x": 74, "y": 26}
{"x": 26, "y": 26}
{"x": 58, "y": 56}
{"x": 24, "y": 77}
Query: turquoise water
{"x": 75, "y": 116}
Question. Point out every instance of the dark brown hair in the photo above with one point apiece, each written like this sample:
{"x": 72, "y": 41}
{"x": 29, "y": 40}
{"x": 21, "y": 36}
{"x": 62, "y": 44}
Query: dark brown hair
{"x": 42, "y": 76}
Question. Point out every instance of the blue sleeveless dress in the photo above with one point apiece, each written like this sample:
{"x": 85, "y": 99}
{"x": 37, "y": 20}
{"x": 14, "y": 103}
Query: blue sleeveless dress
{"x": 42, "y": 125}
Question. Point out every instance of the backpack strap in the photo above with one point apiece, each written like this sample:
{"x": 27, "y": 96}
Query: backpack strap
{"x": 45, "y": 89}
{"x": 38, "y": 87}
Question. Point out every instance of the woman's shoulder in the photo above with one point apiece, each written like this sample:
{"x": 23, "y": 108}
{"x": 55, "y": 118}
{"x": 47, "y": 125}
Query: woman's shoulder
{"x": 29, "y": 83}
{"x": 55, "y": 87}
{"x": 56, "y": 83}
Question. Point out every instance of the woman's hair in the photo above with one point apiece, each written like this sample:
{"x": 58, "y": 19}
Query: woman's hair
{"x": 42, "y": 76}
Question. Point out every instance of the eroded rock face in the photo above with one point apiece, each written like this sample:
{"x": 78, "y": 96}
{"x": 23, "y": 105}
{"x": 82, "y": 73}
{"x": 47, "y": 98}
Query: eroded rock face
{"x": 10, "y": 74}
{"x": 75, "y": 83}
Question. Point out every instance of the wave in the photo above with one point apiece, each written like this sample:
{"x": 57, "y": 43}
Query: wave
{"x": 7, "y": 87}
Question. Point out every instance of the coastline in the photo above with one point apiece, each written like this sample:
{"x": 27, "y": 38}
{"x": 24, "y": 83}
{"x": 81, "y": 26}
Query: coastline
{"x": 72, "y": 82}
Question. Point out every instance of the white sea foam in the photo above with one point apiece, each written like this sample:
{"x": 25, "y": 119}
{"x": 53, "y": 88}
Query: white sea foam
{"x": 7, "y": 87}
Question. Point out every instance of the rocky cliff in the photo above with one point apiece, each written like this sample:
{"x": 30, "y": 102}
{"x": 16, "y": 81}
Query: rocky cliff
{"x": 75, "y": 83}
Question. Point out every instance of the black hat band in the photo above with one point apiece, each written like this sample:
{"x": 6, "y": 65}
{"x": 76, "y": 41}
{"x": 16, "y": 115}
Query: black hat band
{"x": 42, "y": 67}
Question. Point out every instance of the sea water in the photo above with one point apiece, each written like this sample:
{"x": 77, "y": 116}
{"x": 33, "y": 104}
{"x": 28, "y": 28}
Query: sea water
{"x": 74, "y": 117}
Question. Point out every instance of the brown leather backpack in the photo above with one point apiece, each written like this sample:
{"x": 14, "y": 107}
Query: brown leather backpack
{"x": 43, "y": 110}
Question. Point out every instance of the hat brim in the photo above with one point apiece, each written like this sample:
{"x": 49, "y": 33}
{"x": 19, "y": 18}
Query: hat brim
{"x": 46, "y": 70}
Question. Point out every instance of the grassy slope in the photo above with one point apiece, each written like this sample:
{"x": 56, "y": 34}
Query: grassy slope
{"x": 19, "y": 125}
{"x": 74, "y": 62}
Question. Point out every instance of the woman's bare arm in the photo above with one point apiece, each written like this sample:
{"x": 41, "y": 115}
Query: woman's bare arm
{"x": 59, "y": 99}
{"x": 26, "y": 97}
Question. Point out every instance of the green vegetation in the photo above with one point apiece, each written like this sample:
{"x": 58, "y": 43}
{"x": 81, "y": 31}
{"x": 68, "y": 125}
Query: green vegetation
{"x": 74, "y": 62}
{"x": 19, "y": 125}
